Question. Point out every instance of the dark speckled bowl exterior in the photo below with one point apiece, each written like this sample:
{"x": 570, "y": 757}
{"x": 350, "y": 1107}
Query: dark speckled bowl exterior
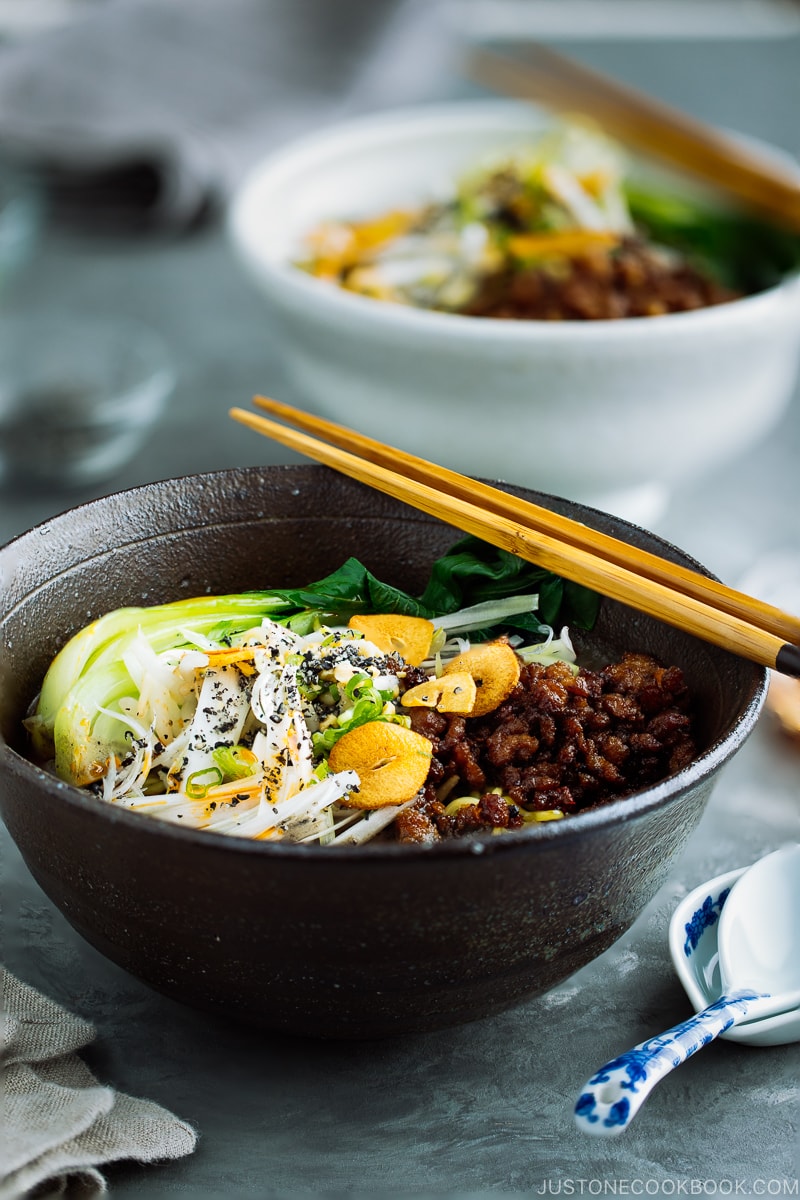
{"x": 348, "y": 942}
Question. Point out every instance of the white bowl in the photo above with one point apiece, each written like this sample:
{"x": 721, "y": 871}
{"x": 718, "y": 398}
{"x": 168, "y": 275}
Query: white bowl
{"x": 695, "y": 956}
{"x": 613, "y": 413}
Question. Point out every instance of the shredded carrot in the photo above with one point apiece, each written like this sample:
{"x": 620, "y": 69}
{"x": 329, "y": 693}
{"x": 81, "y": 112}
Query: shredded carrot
{"x": 273, "y": 834}
{"x": 566, "y": 243}
{"x": 337, "y": 247}
{"x": 249, "y": 785}
{"x": 390, "y": 225}
{"x": 228, "y": 655}
{"x": 595, "y": 182}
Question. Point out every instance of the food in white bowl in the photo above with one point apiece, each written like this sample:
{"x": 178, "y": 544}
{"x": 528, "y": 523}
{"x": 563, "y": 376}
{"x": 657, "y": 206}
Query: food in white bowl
{"x": 618, "y": 413}
{"x": 551, "y": 232}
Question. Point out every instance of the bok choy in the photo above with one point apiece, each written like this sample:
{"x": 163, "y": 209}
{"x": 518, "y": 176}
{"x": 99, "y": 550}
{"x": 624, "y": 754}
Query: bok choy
{"x": 220, "y": 712}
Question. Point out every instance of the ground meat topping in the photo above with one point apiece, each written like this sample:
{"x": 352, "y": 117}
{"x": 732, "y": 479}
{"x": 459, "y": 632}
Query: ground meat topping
{"x": 634, "y": 279}
{"x": 560, "y": 742}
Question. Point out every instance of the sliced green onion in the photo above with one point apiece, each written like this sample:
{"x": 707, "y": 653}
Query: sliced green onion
{"x": 488, "y": 613}
{"x": 197, "y": 790}
{"x": 235, "y": 762}
{"x": 356, "y": 683}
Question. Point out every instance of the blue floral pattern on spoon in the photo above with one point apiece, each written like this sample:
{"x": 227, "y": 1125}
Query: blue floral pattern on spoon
{"x": 702, "y": 918}
{"x": 614, "y": 1094}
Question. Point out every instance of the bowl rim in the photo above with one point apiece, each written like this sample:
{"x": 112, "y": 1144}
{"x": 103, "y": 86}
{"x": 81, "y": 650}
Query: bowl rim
{"x": 617, "y": 812}
{"x": 287, "y": 281}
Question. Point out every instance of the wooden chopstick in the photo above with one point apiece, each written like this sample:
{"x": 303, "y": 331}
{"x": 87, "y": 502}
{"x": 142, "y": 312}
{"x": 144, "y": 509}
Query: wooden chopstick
{"x": 513, "y": 533}
{"x": 691, "y": 583}
{"x": 658, "y": 129}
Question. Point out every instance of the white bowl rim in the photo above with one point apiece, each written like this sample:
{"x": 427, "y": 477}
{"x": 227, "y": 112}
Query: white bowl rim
{"x": 314, "y": 294}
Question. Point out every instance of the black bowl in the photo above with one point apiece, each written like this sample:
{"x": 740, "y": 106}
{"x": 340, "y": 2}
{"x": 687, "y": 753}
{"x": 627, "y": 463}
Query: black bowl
{"x": 349, "y": 942}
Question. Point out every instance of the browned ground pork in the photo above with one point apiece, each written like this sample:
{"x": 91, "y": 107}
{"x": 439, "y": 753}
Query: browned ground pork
{"x": 631, "y": 280}
{"x": 560, "y": 741}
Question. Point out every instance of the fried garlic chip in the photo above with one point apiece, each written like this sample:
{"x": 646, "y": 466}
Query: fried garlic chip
{"x": 495, "y": 668}
{"x": 395, "y": 633}
{"x": 391, "y": 762}
{"x": 454, "y": 693}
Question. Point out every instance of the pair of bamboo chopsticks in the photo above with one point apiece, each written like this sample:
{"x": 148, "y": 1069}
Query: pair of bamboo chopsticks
{"x": 672, "y": 593}
{"x": 537, "y": 73}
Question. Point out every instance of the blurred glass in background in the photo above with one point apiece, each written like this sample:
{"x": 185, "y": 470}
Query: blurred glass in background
{"x": 79, "y": 394}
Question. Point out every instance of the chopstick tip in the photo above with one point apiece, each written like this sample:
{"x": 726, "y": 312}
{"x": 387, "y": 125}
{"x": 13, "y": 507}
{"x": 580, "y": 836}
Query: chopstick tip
{"x": 787, "y": 660}
{"x": 243, "y": 415}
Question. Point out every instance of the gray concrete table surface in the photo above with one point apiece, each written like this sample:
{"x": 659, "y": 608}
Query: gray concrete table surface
{"x": 485, "y": 1108}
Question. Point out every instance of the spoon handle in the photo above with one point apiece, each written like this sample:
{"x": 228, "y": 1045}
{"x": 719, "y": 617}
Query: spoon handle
{"x": 614, "y": 1094}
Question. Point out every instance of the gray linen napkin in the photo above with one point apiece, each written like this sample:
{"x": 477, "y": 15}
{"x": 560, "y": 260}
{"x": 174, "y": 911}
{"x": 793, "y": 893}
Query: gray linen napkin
{"x": 59, "y": 1124}
{"x": 136, "y": 115}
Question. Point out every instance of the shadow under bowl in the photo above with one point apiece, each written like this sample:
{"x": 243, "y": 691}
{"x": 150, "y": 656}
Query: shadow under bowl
{"x": 349, "y": 942}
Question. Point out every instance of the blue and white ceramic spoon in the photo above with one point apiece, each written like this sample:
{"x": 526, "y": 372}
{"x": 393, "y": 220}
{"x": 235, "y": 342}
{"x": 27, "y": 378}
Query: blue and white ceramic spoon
{"x": 759, "y": 942}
